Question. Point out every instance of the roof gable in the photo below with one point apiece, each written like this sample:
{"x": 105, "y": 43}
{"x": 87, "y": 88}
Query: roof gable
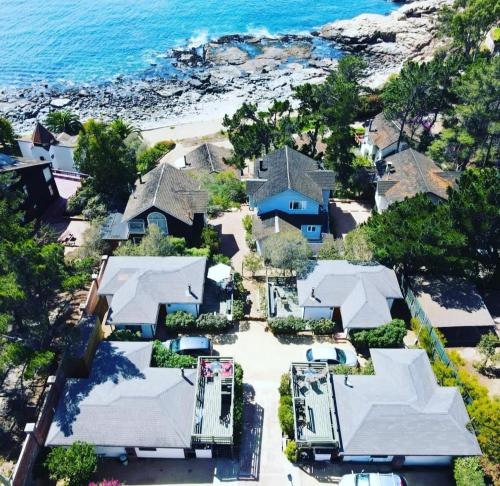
{"x": 171, "y": 191}
{"x": 360, "y": 290}
{"x": 41, "y": 136}
{"x": 409, "y": 172}
{"x": 286, "y": 169}
{"x": 402, "y": 410}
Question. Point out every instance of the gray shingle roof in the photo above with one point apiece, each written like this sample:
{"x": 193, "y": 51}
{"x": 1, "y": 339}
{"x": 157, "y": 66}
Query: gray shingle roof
{"x": 288, "y": 169}
{"x": 208, "y": 158}
{"x": 125, "y": 403}
{"x": 140, "y": 284}
{"x": 402, "y": 410}
{"x": 383, "y": 132}
{"x": 360, "y": 290}
{"x": 451, "y": 302}
{"x": 412, "y": 173}
{"x": 170, "y": 190}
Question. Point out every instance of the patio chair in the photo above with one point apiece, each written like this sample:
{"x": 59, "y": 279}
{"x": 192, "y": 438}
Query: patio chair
{"x": 304, "y": 390}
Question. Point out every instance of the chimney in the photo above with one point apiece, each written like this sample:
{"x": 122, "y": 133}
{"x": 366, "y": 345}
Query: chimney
{"x": 261, "y": 165}
{"x": 139, "y": 174}
{"x": 182, "y": 372}
{"x": 189, "y": 292}
{"x": 312, "y": 294}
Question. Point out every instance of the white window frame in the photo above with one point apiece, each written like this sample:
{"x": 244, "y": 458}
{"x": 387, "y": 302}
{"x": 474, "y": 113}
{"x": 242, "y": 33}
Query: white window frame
{"x": 301, "y": 205}
{"x": 160, "y": 220}
{"x": 311, "y": 228}
{"x": 47, "y": 173}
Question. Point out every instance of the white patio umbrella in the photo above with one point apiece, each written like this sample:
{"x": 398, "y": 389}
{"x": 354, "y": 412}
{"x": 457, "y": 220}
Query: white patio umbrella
{"x": 219, "y": 273}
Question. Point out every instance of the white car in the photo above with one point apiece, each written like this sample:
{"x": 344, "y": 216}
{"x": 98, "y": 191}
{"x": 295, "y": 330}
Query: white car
{"x": 372, "y": 479}
{"x": 332, "y": 355}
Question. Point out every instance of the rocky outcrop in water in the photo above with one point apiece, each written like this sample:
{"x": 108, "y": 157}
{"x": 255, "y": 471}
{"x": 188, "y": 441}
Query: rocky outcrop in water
{"x": 236, "y": 68}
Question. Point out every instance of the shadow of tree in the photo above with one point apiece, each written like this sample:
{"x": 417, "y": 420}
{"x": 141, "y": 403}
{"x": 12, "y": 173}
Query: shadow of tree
{"x": 450, "y": 293}
{"x": 110, "y": 364}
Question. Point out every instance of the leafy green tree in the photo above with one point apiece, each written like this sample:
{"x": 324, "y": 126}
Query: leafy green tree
{"x": 288, "y": 251}
{"x": 164, "y": 358}
{"x": 154, "y": 243}
{"x": 123, "y": 129}
{"x": 225, "y": 190}
{"x": 102, "y": 154}
{"x": 7, "y": 135}
{"x": 74, "y": 464}
{"x": 330, "y": 250}
{"x": 285, "y": 415}
{"x": 210, "y": 239}
{"x": 341, "y": 101}
{"x": 467, "y": 22}
{"x": 213, "y": 323}
{"x": 474, "y": 209}
{"x": 247, "y": 223}
{"x": 408, "y": 98}
{"x": 472, "y": 133}
{"x": 148, "y": 159}
{"x": 253, "y": 133}
{"x": 180, "y": 321}
{"x": 417, "y": 234}
{"x": 357, "y": 245}
{"x": 389, "y": 335}
{"x": 253, "y": 263}
{"x": 487, "y": 347}
{"x": 468, "y": 472}
{"x": 63, "y": 121}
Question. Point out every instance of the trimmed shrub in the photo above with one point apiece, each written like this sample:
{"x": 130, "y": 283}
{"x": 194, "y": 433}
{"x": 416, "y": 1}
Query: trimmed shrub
{"x": 238, "y": 403}
{"x": 74, "y": 464}
{"x": 164, "y": 358}
{"x": 210, "y": 239}
{"x": 124, "y": 335}
{"x": 285, "y": 415}
{"x": 212, "y": 323}
{"x": 77, "y": 203}
{"x": 291, "y": 452}
{"x": 387, "y": 336}
{"x": 468, "y": 472}
{"x": 284, "y": 387}
{"x": 220, "y": 258}
{"x": 322, "y": 326}
{"x": 247, "y": 223}
{"x": 238, "y": 310}
{"x": 180, "y": 321}
{"x": 287, "y": 325}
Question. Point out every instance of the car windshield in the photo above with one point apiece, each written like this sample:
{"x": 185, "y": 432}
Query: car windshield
{"x": 175, "y": 345}
{"x": 362, "y": 479}
{"x": 341, "y": 356}
{"x": 309, "y": 355}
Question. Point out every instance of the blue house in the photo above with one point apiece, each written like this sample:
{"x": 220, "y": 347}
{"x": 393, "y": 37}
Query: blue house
{"x": 290, "y": 192}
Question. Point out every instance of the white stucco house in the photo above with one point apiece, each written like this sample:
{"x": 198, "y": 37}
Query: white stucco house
{"x": 361, "y": 294}
{"x": 127, "y": 407}
{"x": 399, "y": 416}
{"x": 139, "y": 290}
{"x": 43, "y": 145}
{"x": 381, "y": 139}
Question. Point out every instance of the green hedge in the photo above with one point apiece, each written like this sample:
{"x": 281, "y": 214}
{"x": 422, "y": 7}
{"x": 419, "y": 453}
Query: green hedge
{"x": 468, "y": 472}
{"x": 180, "y": 321}
{"x": 238, "y": 403}
{"x": 212, "y": 323}
{"x": 387, "y": 336}
{"x": 291, "y": 451}
{"x": 285, "y": 415}
{"x": 238, "y": 310}
{"x": 164, "y": 358}
{"x": 322, "y": 326}
{"x": 124, "y": 335}
{"x": 287, "y": 325}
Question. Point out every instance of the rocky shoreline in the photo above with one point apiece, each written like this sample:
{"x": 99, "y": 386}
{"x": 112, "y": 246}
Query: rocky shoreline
{"x": 208, "y": 81}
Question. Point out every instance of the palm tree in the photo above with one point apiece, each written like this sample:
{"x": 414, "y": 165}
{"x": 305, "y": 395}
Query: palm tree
{"x": 123, "y": 129}
{"x": 63, "y": 121}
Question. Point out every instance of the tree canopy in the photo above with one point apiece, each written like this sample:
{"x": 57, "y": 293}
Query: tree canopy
{"x": 103, "y": 154}
{"x": 288, "y": 251}
{"x": 63, "y": 121}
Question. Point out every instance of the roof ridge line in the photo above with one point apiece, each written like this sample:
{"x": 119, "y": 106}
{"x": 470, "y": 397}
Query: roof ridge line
{"x": 158, "y": 184}
{"x": 287, "y": 167}
{"x": 209, "y": 156}
{"x": 420, "y": 171}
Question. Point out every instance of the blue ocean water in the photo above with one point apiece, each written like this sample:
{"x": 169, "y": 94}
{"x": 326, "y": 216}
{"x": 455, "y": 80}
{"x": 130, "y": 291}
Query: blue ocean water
{"x": 86, "y": 41}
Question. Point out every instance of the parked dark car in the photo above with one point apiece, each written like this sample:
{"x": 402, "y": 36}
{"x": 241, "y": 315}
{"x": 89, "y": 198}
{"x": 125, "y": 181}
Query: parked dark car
{"x": 191, "y": 345}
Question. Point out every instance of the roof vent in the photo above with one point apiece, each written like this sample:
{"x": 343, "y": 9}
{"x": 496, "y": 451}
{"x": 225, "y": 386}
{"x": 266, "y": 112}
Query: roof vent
{"x": 261, "y": 165}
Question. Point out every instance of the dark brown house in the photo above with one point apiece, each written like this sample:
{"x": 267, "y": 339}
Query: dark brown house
{"x": 169, "y": 198}
{"x": 35, "y": 179}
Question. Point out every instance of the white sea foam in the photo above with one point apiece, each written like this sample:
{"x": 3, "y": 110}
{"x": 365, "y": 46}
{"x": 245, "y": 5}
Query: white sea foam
{"x": 199, "y": 38}
{"x": 260, "y": 32}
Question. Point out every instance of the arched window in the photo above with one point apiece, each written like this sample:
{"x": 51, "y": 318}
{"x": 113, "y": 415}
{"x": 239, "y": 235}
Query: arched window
{"x": 160, "y": 220}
